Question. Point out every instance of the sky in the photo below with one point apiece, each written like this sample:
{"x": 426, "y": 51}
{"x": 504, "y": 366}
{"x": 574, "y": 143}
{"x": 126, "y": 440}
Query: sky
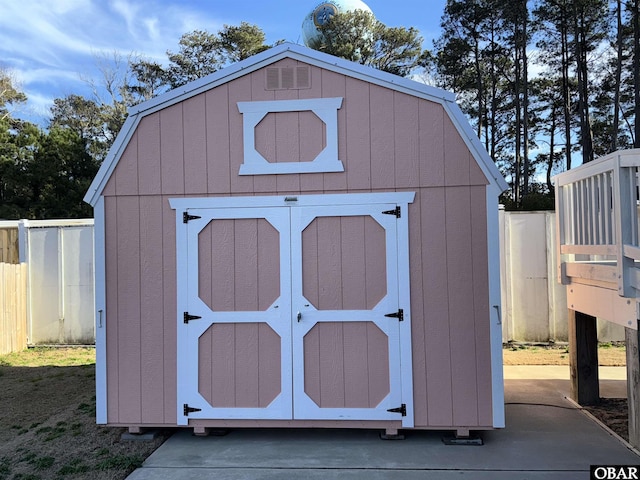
{"x": 52, "y": 48}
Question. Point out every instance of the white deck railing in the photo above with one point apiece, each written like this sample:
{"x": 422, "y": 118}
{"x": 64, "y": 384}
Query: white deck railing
{"x": 597, "y": 218}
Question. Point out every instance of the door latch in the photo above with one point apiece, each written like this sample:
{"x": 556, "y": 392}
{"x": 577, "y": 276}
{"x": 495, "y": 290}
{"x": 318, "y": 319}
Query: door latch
{"x": 299, "y": 317}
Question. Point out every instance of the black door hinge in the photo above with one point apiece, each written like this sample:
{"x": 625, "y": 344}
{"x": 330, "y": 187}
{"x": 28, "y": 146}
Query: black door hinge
{"x": 395, "y": 211}
{"x": 186, "y": 217}
{"x": 187, "y": 410}
{"x": 188, "y": 318}
{"x": 399, "y": 315}
{"x": 401, "y": 409}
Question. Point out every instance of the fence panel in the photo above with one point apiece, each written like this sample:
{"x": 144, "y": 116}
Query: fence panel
{"x": 534, "y": 304}
{"x": 9, "y": 252}
{"x": 60, "y": 261}
{"x": 13, "y": 307}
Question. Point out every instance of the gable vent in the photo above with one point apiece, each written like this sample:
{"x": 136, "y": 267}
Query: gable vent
{"x": 286, "y": 78}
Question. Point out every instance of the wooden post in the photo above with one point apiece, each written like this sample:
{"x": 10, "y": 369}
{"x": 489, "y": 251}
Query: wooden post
{"x": 633, "y": 385}
{"x": 583, "y": 358}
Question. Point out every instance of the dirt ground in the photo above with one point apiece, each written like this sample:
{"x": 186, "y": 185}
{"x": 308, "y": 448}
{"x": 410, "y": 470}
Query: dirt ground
{"x": 609, "y": 354}
{"x": 47, "y": 421}
{"x": 47, "y": 414}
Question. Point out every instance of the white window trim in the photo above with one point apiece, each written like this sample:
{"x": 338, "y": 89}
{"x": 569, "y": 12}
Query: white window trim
{"x": 326, "y": 109}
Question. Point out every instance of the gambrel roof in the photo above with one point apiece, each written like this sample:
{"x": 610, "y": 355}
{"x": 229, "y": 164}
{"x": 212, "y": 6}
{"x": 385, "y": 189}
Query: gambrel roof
{"x": 311, "y": 57}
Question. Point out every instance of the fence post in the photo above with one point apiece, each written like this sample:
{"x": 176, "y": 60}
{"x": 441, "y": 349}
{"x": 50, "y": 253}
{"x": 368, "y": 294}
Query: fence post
{"x": 583, "y": 358}
{"x": 624, "y": 198}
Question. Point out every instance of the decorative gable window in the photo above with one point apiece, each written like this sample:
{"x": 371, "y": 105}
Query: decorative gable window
{"x": 325, "y": 109}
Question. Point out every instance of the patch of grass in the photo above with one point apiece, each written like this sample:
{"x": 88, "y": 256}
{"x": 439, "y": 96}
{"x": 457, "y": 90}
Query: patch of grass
{"x": 26, "y": 476}
{"x": 43, "y": 463}
{"x": 120, "y": 462}
{"x": 75, "y": 466}
{"x": 76, "y": 429}
{"x": 86, "y": 408}
{"x": 53, "y": 432}
{"x": 102, "y": 452}
{"x": 28, "y": 457}
{"x": 47, "y": 356}
{"x": 5, "y": 468}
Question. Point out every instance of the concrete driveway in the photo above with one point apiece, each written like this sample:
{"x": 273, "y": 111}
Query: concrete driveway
{"x": 541, "y": 441}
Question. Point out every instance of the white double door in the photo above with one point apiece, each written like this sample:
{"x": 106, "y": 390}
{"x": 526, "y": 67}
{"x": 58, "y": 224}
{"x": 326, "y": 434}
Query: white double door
{"x": 293, "y": 311}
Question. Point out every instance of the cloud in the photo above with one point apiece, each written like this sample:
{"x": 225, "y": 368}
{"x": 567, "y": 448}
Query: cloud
{"x": 50, "y": 44}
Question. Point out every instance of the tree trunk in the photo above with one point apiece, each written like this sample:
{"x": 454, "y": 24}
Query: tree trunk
{"x": 636, "y": 69}
{"x": 618, "y": 78}
{"x": 566, "y": 89}
{"x": 525, "y": 100}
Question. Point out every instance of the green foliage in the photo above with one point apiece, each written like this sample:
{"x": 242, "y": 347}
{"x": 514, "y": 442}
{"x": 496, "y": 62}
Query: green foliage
{"x": 579, "y": 99}
{"x": 202, "y": 53}
{"x": 120, "y": 462}
{"x": 236, "y": 43}
{"x": 198, "y": 56}
{"x": 74, "y": 467}
{"x": 357, "y": 36}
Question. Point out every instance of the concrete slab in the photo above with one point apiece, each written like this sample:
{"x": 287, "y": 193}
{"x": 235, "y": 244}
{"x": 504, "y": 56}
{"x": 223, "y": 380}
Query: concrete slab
{"x": 546, "y": 437}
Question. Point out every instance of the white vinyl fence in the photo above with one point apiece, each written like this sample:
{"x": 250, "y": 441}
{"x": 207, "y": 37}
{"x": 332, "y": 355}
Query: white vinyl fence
{"x": 60, "y": 302}
{"x": 534, "y": 304}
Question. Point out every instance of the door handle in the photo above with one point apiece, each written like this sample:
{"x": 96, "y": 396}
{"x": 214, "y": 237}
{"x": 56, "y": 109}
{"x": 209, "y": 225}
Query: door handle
{"x": 299, "y": 317}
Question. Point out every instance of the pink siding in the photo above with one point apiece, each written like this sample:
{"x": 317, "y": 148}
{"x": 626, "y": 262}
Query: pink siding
{"x": 172, "y": 150}
{"x": 150, "y": 181}
{"x": 387, "y": 141}
{"x": 129, "y": 308}
{"x": 358, "y": 148}
{"x": 195, "y": 144}
{"x": 232, "y": 255}
{"x": 343, "y": 263}
{"x": 406, "y": 138}
{"x": 435, "y": 309}
{"x": 383, "y": 142}
{"x": 479, "y": 246}
{"x": 218, "y": 141}
{"x": 239, "y": 365}
{"x": 346, "y": 364}
{"x": 151, "y": 311}
{"x": 126, "y": 174}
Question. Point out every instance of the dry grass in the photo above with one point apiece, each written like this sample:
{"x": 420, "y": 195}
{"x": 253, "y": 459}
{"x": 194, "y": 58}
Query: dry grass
{"x": 610, "y": 355}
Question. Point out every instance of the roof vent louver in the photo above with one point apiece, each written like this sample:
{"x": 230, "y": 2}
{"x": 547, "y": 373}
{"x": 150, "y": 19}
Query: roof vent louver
{"x": 287, "y": 78}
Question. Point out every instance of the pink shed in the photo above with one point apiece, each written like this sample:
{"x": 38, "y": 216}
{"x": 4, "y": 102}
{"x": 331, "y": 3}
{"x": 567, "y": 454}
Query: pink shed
{"x": 298, "y": 241}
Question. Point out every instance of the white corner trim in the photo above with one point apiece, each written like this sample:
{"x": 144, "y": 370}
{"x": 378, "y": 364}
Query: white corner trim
{"x": 101, "y": 310}
{"x": 495, "y": 308}
{"x": 326, "y": 109}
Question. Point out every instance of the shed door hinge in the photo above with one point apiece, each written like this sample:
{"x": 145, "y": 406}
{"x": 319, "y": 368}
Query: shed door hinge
{"x": 395, "y": 211}
{"x": 187, "y": 410}
{"x": 401, "y": 409}
{"x": 188, "y": 318}
{"x": 186, "y": 217}
{"x": 399, "y": 315}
